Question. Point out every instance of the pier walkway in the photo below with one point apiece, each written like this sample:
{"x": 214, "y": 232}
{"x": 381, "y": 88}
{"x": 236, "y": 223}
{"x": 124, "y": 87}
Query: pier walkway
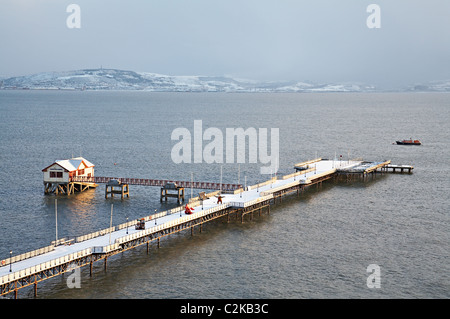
{"x": 65, "y": 255}
{"x": 155, "y": 182}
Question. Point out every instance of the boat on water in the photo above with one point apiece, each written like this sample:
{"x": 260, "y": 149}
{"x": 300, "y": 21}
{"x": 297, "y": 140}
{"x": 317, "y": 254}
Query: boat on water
{"x": 409, "y": 142}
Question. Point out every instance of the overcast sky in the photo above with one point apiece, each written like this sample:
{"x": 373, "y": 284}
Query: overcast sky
{"x": 316, "y": 40}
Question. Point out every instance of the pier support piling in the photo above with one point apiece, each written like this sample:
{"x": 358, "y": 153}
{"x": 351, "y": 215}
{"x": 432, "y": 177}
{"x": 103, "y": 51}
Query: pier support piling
{"x": 120, "y": 189}
{"x": 179, "y": 195}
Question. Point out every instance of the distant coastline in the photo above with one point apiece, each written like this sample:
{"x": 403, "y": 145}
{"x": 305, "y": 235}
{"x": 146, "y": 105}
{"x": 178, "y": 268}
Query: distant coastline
{"x": 113, "y": 79}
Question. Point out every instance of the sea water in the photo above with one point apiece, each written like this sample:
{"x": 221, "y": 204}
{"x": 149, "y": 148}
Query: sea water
{"x": 317, "y": 245}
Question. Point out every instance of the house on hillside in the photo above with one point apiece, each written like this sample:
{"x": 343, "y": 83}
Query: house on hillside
{"x": 58, "y": 177}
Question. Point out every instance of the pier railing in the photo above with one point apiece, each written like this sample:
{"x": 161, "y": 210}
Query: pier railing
{"x": 155, "y": 182}
{"x": 169, "y": 224}
{"x": 272, "y": 180}
{"x": 264, "y": 197}
{"x": 44, "y": 266}
{"x": 95, "y": 234}
{"x": 279, "y": 188}
{"x": 302, "y": 172}
{"x": 26, "y": 255}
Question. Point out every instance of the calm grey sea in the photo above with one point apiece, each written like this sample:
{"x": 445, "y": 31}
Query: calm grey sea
{"x": 318, "y": 245}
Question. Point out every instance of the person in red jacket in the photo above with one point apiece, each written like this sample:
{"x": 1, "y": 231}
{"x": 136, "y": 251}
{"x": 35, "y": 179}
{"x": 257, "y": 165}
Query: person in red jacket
{"x": 188, "y": 210}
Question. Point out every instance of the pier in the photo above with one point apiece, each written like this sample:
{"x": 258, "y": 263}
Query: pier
{"x": 166, "y": 185}
{"x": 64, "y": 255}
{"x": 59, "y": 176}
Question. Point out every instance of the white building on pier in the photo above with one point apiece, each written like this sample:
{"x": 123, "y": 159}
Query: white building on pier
{"x": 58, "y": 176}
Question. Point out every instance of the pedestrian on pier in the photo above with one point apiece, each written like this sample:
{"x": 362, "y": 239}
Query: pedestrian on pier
{"x": 188, "y": 210}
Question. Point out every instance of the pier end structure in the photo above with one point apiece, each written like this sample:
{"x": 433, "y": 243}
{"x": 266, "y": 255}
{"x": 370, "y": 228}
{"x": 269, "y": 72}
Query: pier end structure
{"x": 58, "y": 177}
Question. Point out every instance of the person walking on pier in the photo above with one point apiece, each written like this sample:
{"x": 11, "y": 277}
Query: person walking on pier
{"x": 219, "y": 199}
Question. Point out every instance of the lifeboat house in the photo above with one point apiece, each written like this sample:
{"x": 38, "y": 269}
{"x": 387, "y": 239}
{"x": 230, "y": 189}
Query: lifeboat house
{"x": 59, "y": 177}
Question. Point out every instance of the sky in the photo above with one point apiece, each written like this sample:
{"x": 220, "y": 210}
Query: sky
{"x": 269, "y": 40}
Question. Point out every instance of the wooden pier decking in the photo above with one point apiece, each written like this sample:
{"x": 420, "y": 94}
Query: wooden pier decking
{"x": 30, "y": 268}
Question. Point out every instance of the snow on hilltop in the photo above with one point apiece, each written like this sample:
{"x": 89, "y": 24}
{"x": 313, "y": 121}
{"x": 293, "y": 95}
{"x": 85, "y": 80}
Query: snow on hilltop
{"x": 112, "y": 79}
{"x": 435, "y": 86}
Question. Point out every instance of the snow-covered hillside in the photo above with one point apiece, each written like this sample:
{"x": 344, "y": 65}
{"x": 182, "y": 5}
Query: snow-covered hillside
{"x": 436, "y": 86}
{"x": 112, "y": 79}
